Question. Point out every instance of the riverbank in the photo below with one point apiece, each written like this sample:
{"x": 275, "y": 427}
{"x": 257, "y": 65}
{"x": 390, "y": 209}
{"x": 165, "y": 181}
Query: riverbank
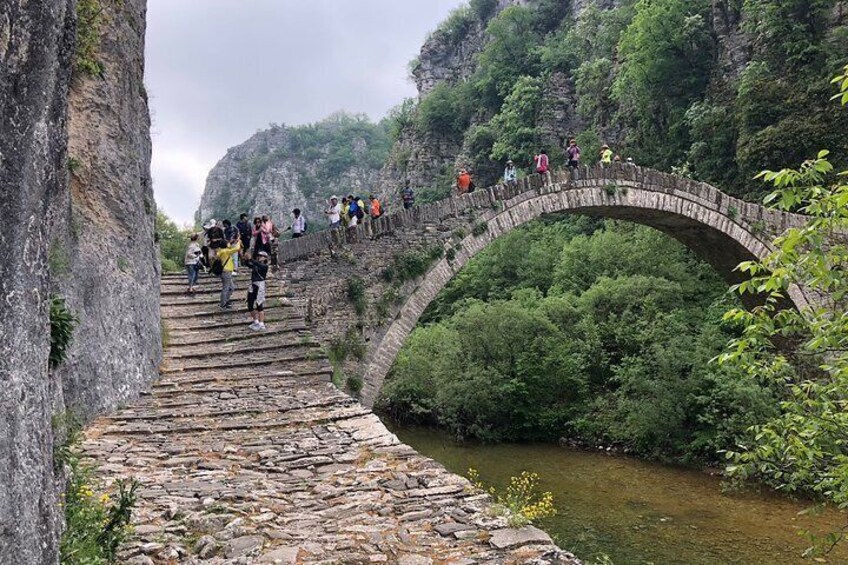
{"x": 639, "y": 512}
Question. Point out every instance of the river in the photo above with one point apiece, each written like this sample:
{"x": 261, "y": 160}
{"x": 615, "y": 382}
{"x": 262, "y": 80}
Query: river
{"x": 640, "y": 513}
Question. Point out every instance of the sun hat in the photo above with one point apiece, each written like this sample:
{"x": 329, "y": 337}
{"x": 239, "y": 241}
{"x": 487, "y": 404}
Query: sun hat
{"x": 263, "y": 254}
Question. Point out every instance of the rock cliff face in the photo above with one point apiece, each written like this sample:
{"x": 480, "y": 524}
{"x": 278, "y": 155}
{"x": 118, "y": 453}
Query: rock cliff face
{"x": 105, "y": 225}
{"x": 87, "y": 237}
{"x": 35, "y": 52}
{"x": 283, "y": 168}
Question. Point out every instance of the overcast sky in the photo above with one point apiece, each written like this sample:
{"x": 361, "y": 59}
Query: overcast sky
{"x": 219, "y": 70}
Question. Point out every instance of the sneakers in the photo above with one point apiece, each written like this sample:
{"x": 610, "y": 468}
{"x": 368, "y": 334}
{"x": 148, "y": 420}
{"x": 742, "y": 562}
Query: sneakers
{"x": 257, "y": 326}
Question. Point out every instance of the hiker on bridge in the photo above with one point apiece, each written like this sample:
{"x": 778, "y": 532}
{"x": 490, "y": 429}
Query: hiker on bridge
{"x": 334, "y": 213}
{"x": 231, "y": 234}
{"x": 215, "y": 238}
{"x": 256, "y": 294}
{"x": 573, "y": 153}
{"x": 408, "y": 196}
{"x": 245, "y": 232}
{"x": 298, "y": 227}
{"x": 510, "y": 172}
{"x": 356, "y": 210}
{"x": 376, "y": 208}
{"x": 606, "y": 154}
{"x": 542, "y": 162}
{"x": 464, "y": 182}
{"x": 192, "y": 262}
{"x": 223, "y": 267}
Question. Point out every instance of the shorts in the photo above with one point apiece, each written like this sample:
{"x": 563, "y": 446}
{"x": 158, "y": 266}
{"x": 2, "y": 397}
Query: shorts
{"x": 354, "y": 221}
{"x": 573, "y": 164}
{"x": 256, "y": 297}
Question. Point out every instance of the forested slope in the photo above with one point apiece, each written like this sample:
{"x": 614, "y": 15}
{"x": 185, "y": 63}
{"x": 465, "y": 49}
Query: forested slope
{"x": 715, "y": 89}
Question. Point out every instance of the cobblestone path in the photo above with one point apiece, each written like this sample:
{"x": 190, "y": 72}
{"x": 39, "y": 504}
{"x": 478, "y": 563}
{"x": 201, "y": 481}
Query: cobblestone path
{"x": 248, "y": 454}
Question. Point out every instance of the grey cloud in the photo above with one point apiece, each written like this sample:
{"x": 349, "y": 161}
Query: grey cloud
{"x": 218, "y": 70}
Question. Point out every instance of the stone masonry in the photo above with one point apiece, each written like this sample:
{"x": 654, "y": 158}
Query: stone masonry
{"x": 319, "y": 267}
{"x": 248, "y": 454}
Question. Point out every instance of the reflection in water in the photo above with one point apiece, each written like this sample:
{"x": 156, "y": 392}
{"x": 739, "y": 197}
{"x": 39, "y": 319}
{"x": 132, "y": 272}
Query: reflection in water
{"x": 638, "y": 512}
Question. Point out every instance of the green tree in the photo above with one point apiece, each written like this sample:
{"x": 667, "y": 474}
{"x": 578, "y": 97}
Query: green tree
{"x": 666, "y": 56}
{"x": 805, "y": 447}
{"x": 172, "y": 242}
{"x": 515, "y": 125}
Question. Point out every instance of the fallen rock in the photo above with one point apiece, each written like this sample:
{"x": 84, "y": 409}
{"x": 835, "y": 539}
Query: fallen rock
{"x": 281, "y": 556}
{"x": 507, "y": 538}
{"x": 241, "y": 546}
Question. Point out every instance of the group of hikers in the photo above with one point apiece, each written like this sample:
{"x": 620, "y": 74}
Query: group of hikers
{"x": 541, "y": 165}
{"x": 223, "y": 248}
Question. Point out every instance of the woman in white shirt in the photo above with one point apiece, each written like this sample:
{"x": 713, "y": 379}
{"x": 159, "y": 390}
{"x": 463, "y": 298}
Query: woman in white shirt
{"x": 192, "y": 262}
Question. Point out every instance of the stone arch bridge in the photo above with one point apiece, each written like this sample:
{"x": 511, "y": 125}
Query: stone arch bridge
{"x": 326, "y": 268}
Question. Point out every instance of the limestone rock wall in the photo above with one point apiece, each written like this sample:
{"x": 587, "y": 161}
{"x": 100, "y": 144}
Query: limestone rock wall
{"x": 103, "y": 226}
{"x": 86, "y": 236}
{"x": 35, "y": 50}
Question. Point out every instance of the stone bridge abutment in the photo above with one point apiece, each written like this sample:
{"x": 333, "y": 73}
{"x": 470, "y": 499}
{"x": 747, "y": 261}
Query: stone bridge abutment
{"x": 330, "y": 269}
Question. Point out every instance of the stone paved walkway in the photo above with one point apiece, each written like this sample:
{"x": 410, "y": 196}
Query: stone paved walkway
{"x": 248, "y": 454}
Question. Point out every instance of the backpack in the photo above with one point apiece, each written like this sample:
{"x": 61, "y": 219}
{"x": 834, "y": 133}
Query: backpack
{"x": 305, "y": 224}
{"x": 217, "y": 268}
{"x": 354, "y": 209}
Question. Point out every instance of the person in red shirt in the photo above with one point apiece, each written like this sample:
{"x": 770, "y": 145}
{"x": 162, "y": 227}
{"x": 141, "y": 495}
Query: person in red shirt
{"x": 376, "y": 208}
{"x": 463, "y": 182}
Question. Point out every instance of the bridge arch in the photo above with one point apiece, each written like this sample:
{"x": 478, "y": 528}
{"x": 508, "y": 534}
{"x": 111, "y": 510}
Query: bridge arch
{"x": 723, "y": 230}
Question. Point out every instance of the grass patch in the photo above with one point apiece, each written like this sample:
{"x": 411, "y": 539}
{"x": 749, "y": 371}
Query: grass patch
{"x": 479, "y": 229}
{"x": 410, "y": 266}
{"x": 96, "y": 526}
{"x": 62, "y": 325}
{"x": 356, "y": 295}
{"x": 89, "y": 19}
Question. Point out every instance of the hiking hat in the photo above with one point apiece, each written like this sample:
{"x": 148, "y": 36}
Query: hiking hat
{"x": 604, "y": 146}
{"x": 334, "y": 197}
{"x": 263, "y": 254}
{"x": 509, "y": 162}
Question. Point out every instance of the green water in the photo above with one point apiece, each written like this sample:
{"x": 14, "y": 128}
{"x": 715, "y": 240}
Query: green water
{"x": 637, "y": 512}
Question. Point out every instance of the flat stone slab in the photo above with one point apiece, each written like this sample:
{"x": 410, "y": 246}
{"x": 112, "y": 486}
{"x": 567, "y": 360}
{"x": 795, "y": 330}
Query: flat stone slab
{"x": 509, "y": 538}
{"x": 242, "y": 545}
{"x": 281, "y": 556}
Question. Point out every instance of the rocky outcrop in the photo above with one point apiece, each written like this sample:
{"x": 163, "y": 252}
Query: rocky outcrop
{"x": 35, "y": 52}
{"x": 283, "y": 168}
{"x": 87, "y": 237}
{"x": 104, "y": 225}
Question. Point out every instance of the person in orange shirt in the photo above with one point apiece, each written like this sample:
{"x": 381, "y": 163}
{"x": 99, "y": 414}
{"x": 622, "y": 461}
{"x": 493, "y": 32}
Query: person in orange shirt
{"x": 463, "y": 182}
{"x": 376, "y": 208}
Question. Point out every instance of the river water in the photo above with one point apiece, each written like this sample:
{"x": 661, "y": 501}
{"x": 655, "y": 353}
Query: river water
{"x": 641, "y": 513}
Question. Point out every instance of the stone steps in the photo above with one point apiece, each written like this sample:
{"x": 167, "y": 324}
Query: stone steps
{"x": 247, "y": 454}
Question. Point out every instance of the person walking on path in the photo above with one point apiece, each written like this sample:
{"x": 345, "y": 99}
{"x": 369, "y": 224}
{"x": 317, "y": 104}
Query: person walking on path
{"x": 192, "y": 262}
{"x": 256, "y": 294}
{"x": 215, "y": 236}
{"x": 463, "y": 182}
{"x": 245, "y": 232}
{"x": 408, "y": 196}
{"x": 510, "y": 173}
{"x": 376, "y": 207}
{"x": 334, "y": 213}
{"x": 298, "y": 227}
{"x": 231, "y": 235}
{"x": 542, "y": 162}
{"x": 573, "y": 152}
{"x": 606, "y": 154}
{"x": 225, "y": 256}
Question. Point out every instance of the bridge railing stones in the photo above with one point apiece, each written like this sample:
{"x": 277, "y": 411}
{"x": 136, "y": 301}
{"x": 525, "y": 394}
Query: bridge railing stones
{"x": 615, "y": 174}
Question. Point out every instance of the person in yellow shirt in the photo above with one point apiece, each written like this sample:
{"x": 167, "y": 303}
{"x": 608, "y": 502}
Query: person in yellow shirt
{"x": 225, "y": 256}
{"x": 606, "y": 154}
